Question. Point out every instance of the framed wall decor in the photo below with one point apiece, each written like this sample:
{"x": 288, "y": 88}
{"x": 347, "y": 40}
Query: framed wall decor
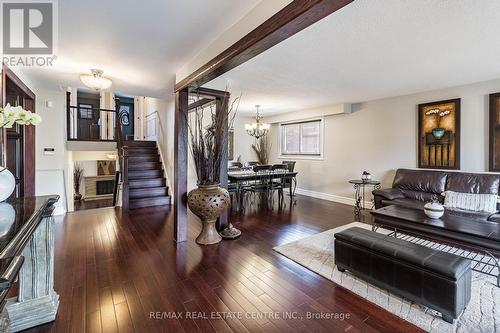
{"x": 494, "y": 136}
{"x": 439, "y": 135}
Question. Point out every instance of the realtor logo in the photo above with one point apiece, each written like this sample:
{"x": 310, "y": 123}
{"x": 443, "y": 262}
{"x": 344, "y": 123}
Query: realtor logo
{"x": 28, "y": 27}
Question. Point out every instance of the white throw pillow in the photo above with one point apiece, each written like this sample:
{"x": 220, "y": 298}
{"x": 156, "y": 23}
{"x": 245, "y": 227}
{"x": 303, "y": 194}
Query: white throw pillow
{"x": 471, "y": 201}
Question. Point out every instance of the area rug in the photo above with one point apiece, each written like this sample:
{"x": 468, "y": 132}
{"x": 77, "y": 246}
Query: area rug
{"x": 482, "y": 314}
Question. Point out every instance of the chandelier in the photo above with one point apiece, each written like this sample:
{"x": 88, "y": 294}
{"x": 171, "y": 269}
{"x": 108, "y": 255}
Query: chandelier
{"x": 95, "y": 80}
{"x": 257, "y": 129}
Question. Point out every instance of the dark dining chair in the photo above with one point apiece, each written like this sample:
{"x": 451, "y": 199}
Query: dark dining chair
{"x": 251, "y": 164}
{"x": 235, "y": 164}
{"x": 258, "y": 186}
{"x": 291, "y": 182}
{"x": 278, "y": 183}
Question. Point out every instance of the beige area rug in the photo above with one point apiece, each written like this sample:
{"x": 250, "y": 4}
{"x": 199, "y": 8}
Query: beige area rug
{"x": 482, "y": 314}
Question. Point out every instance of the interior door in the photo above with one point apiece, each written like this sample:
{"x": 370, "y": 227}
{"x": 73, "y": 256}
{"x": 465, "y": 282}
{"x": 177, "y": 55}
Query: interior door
{"x": 88, "y": 120}
{"x": 152, "y": 126}
{"x": 19, "y": 140}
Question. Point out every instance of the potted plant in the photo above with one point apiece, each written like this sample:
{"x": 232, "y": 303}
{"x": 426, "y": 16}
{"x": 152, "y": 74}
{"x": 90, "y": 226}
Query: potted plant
{"x": 77, "y": 181}
{"x": 208, "y": 145}
{"x": 262, "y": 149}
{"x": 10, "y": 115}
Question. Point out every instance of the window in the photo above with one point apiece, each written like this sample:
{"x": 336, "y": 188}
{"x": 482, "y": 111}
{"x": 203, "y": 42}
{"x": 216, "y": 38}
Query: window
{"x": 302, "y": 138}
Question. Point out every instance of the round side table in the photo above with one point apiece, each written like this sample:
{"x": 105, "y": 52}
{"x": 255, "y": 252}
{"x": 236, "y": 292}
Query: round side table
{"x": 359, "y": 195}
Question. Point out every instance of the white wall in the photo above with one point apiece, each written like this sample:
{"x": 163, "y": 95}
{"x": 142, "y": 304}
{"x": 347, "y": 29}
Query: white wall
{"x": 242, "y": 141}
{"x": 165, "y": 133}
{"x": 50, "y": 169}
{"x": 381, "y": 136}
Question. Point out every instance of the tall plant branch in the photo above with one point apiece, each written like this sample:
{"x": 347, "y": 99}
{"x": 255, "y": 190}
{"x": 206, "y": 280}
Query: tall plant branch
{"x": 209, "y": 144}
{"x": 262, "y": 148}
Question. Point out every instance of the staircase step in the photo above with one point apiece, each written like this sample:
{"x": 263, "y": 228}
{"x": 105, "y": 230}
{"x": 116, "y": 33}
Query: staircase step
{"x": 149, "y": 202}
{"x": 136, "y": 166}
{"x": 134, "y": 151}
{"x": 131, "y": 143}
{"x": 138, "y": 174}
{"x": 143, "y": 158}
{"x": 137, "y": 193}
{"x": 143, "y": 183}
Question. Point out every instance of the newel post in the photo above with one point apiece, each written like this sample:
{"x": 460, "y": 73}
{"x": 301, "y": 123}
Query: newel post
{"x": 125, "y": 188}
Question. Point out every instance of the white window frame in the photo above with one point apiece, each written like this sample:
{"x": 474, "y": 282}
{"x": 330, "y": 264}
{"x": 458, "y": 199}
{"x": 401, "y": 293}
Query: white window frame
{"x": 283, "y": 156}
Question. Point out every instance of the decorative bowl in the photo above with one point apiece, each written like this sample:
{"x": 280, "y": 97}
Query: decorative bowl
{"x": 7, "y": 183}
{"x": 434, "y": 210}
{"x": 438, "y": 133}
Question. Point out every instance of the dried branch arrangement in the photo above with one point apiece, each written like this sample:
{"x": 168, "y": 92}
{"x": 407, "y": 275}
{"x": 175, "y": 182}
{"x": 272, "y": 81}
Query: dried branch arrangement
{"x": 262, "y": 148}
{"x": 209, "y": 142}
{"x": 77, "y": 177}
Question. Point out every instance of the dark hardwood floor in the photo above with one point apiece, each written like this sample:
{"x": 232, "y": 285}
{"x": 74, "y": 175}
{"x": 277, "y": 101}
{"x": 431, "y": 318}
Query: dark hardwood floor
{"x": 92, "y": 204}
{"x": 123, "y": 273}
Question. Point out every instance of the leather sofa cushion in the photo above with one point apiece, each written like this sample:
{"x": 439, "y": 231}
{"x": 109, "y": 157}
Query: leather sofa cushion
{"x": 420, "y": 181}
{"x": 494, "y": 218}
{"x": 473, "y": 183}
{"x": 421, "y": 196}
{"x": 409, "y": 203}
{"x": 445, "y": 264}
{"x": 389, "y": 193}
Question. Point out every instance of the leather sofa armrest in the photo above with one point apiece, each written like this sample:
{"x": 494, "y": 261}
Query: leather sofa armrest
{"x": 389, "y": 193}
{"x": 494, "y": 218}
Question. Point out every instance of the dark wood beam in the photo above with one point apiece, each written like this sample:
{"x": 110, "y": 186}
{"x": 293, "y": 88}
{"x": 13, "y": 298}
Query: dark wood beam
{"x": 210, "y": 93}
{"x": 222, "y": 105}
{"x": 200, "y": 103}
{"x": 296, "y": 16}
{"x": 180, "y": 165}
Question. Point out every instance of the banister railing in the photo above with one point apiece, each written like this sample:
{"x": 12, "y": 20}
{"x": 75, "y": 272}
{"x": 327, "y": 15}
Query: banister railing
{"x": 90, "y": 124}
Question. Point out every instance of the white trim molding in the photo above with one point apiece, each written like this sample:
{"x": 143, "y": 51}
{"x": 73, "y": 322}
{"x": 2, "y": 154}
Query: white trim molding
{"x": 331, "y": 197}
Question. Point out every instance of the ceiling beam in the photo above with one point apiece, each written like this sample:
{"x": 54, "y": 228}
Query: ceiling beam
{"x": 299, "y": 14}
{"x": 200, "y": 103}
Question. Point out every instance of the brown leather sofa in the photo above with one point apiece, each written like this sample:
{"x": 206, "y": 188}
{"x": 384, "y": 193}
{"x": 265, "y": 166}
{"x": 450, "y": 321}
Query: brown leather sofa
{"x": 414, "y": 188}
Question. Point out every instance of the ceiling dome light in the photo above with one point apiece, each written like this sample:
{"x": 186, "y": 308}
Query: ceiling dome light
{"x": 95, "y": 80}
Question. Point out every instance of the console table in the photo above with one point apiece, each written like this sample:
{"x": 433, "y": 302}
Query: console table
{"x": 27, "y": 251}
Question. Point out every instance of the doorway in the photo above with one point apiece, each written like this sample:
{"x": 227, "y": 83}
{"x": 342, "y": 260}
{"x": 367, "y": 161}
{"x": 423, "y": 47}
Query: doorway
{"x": 19, "y": 140}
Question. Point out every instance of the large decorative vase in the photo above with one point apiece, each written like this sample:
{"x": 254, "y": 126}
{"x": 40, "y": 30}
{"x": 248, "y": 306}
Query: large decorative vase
{"x": 7, "y": 183}
{"x": 208, "y": 202}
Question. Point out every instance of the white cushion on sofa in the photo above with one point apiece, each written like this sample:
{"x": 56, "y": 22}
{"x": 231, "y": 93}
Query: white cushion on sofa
{"x": 471, "y": 201}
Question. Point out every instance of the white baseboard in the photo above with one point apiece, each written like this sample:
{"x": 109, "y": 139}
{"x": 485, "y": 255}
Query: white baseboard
{"x": 330, "y": 197}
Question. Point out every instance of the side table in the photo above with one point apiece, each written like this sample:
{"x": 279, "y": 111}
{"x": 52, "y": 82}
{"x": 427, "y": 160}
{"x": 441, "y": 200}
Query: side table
{"x": 359, "y": 195}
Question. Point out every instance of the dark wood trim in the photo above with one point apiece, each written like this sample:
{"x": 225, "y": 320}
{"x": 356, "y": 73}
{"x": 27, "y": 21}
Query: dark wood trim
{"x": 491, "y": 136}
{"x": 14, "y": 78}
{"x": 200, "y": 103}
{"x": 222, "y": 105}
{"x": 299, "y": 14}
{"x": 180, "y": 165}
{"x": 209, "y": 93}
{"x": 29, "y": 154}
{"x": 457, "y": 136}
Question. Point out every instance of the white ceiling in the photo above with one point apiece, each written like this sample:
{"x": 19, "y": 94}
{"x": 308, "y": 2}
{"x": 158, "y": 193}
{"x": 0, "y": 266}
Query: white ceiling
{"x": 373, "y": 49}
{"x": 138, "y": 44}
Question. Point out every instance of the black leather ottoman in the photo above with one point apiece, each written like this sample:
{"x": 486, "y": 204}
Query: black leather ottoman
{"x": 438, "y": 280}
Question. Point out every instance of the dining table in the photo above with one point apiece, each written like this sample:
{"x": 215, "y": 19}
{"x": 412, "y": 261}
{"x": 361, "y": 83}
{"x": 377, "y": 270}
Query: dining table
{"x": 244, "y": 177}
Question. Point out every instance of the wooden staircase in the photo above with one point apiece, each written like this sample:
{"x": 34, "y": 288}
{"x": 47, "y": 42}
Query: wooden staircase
{"x": 144, "y": 184}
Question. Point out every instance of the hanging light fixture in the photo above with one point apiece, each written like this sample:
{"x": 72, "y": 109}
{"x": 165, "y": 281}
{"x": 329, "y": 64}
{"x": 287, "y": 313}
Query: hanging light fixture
{"x": 257, "y": 129}
{"x": 95, "y": 80}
